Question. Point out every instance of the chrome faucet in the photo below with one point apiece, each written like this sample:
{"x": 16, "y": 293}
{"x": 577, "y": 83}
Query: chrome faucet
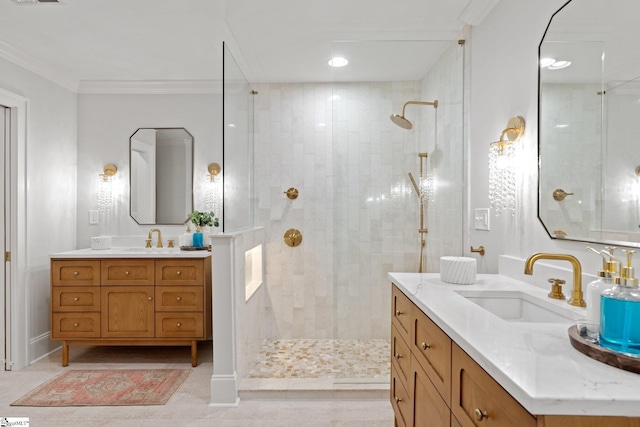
{"x": 159, "y": 236}
{"x": 577, "y": 298}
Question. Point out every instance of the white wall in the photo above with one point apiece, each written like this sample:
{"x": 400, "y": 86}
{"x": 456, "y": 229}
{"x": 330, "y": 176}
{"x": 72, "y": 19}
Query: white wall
{"x": 503, "y": 84}
{"x": 50, "y": 194}
{"x": 105, "y": 123}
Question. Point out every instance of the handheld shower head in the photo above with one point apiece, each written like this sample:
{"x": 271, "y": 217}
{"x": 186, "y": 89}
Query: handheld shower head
{"x": 401, "y": 121}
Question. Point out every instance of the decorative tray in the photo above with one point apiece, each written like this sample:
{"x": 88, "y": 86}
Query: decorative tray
{"x": 601, "y": 354}
{"x": 194, "y": 248}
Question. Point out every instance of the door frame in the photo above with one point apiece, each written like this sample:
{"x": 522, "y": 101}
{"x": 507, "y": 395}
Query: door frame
{"x": 15, "y": 196}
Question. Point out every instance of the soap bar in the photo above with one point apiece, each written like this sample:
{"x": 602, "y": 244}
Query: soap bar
{"x": 458, "y": 270}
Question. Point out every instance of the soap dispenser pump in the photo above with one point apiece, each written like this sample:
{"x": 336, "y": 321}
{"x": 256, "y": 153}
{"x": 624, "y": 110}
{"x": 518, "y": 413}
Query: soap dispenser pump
{"x": 601, "y": 284}
{"x": 620, "y": 312}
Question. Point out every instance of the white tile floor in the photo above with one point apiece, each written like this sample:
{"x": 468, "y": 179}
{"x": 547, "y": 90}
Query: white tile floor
{"x": 188, "y": 407}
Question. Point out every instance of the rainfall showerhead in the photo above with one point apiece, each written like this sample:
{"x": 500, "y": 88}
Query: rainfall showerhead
{"x": 401, "y": 121}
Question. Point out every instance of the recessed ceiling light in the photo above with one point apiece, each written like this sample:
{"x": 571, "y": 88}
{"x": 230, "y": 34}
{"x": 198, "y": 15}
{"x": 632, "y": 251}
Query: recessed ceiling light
{"x": 559, "y": 65}
{"x": 338, "y": 61}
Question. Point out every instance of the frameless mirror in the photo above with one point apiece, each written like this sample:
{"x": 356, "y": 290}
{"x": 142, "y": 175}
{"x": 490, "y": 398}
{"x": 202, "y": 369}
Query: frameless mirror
{"x": 589, "y": 187}
{"x": 161, "y": 175}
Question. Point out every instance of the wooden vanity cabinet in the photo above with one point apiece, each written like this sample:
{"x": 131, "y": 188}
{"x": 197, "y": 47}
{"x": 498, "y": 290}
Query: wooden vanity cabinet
{"x": 133, "y": 301}
{"x": 442, "y": 386}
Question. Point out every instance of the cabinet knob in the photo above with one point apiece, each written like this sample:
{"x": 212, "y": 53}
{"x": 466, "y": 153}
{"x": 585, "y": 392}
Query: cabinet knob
{"x": 126, "y": 273}
{"x": 398, "y": 312}
{"x": 398, "y": 356}
{"x": 150, "y": 298}
{"x": 480, "y": 414}
{"x": 178, "y": 298}
{"x": 398, "y": 400}
{"x": 75, "y": 325}
{"x": 178, "y": 272}
{"x": 76, "y": 299}
{"x": 75, "y": 273}
{"x": 425, "y": 346}
{"x": 178, "y": 324}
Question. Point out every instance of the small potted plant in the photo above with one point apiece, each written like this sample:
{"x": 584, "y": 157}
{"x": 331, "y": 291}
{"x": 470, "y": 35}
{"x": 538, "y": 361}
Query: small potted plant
{"x": 202, "y": 219}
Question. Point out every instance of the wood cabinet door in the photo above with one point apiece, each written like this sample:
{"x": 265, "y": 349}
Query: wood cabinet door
{"x": 479, "y": 401}
{"x": 127, "y": 311}
{"x": 428, "y": 407}
{"x": 401, "y": 312}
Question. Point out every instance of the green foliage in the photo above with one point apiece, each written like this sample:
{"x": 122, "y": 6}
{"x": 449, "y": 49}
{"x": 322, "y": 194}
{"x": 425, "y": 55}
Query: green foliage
{"x": 204, "y": 219}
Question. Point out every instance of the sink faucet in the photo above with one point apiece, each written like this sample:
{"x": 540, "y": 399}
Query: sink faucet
{"x": 576, "y": 294}
{"x": 159, "y": 236}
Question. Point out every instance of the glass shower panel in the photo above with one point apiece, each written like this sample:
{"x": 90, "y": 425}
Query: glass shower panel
{"x": 376, "y": 211}
{"x": 237, "y": 168}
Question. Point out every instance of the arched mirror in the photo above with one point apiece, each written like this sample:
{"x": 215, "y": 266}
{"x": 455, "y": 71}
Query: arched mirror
{"x": 589, "y": 107}
{"x": 161, "y": 175}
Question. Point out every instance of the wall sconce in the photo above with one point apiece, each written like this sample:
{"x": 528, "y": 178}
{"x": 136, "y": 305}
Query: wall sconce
{"x": 212, "y": 188}
{"x": 105, "y": 188}
{"x": 502, "y": 179}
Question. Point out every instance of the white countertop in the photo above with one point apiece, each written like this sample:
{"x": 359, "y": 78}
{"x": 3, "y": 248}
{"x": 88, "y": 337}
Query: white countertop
{"x": 535, "y": 363}
{"x": 132, "y": 253}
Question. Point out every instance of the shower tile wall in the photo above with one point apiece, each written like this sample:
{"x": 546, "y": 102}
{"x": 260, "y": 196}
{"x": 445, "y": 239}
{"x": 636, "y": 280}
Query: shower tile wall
{"x": 357, "y": 212}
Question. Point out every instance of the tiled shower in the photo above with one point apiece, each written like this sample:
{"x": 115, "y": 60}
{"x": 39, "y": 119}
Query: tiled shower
{"x": 327, "y": 300}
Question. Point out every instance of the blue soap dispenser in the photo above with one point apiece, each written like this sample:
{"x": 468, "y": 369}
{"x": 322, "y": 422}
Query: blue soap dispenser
{"x": 620, "y": 313}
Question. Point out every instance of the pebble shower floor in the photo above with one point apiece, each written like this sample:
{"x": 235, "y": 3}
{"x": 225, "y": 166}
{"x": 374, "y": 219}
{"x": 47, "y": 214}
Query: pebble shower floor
{"x": 342, "y": 360}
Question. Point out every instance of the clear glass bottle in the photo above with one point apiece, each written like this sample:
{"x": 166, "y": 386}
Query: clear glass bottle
{"x": 620, "y": 313}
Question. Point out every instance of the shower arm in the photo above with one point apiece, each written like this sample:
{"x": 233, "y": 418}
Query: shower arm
{"x": 435, "y": 104}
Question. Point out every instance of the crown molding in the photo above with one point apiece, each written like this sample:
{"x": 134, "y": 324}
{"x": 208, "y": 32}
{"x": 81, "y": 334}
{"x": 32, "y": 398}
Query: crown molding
{"x": 150, "y": 87}
{"x": 477, "y": 10}
{"x": 13, "y": 55}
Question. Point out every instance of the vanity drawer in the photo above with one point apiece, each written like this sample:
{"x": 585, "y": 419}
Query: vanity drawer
{"x": 75, "y": 273}
{"x": 69, "y": 299}
{"x": 400, "y": 400}
{"x": 475, "y": 393}
{"x": 180, "y": 325}
{"x": 401, "y": 308}
{"x": 179, "y": 298}
{"x": 432, "y": 349}
{"x": 180, "y": 272}
{"x": 401, "y": 357}
{"x": 428, "y": 407}
{"x": 75, "y": 325}
{"x": 135, "y": 271}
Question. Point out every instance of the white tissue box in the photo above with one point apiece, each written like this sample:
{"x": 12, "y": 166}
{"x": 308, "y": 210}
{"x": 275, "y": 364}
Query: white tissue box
{"x": 101, "y": 242}
{"x": 458, "y": 270}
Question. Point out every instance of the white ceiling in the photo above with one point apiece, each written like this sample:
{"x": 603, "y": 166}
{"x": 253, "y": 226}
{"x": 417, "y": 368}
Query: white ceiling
{"x": 273, "y": 40}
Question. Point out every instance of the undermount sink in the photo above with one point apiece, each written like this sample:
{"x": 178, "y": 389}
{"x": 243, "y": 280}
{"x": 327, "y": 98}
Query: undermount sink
{"x": 516, "y": 306}
{"x": 151, "y": 250}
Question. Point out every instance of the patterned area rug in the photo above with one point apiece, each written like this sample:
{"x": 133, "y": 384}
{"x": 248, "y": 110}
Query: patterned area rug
{"x": 125, "y": 387}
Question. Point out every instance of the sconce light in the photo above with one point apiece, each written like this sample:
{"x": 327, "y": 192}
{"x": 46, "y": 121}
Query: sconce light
{"x": 212, "y": 188}
{"x": 502, "y": 179}
{"x": 105, "y": 188}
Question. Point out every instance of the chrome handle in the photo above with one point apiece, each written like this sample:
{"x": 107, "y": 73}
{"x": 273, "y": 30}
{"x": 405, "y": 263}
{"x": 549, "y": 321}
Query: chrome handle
{"x": 425, "y": 346}
{"x": 480, "y": 414}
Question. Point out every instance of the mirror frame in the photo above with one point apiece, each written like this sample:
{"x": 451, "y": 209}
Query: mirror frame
{"x": 193, "y": 182}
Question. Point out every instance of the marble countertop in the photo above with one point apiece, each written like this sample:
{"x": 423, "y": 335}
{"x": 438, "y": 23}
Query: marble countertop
{"x": 534, "y": 362}
{"x": 132, "y": 252}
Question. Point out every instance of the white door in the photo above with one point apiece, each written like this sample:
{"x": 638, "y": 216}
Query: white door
{"x": 4, "y": 138}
